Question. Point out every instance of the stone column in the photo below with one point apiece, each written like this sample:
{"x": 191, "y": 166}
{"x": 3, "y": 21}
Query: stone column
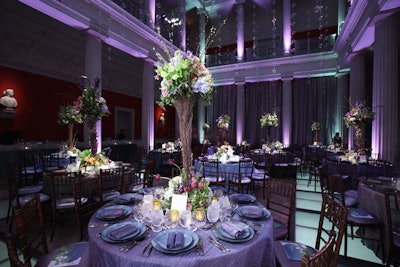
{"x": 182, "y": 27}
{"x": 385, "y": 96}
{"x": 240, "y": 112}
{"x": 240, "y": 29}
{"x": 93, "y": 68}
{"x": 357, "y": 88}
{"x": 148, "y": 106}
{"x": 287, "y": 110}
{"x": 150, "y": 10}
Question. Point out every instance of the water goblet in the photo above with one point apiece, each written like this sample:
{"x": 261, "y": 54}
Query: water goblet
{"x": 157, "y": 218}
{"x": 213, "y": 213}
{"x": 185, "y": 218}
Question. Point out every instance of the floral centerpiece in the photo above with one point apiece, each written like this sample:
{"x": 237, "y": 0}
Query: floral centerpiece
{"x": 224, "y": 153}
{"x": 88, "y": 159}
{"x": 67, "y": 115}
{"x": 184, "y": 80}
{"x": 223, "y": 121}
{"x": 315, "y": 127}
{"x": 357, "y": 117}
{"x": 269, "y": 120}
{"x": 197, "y": 189}
{"x": 92, "y": 108}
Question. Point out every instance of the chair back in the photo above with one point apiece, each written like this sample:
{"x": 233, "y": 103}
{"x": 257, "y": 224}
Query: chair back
{"x": 13, "y": 254}
{"x": 14, "y": 181}
{"x": 132, "y": 181}
{"x": 392, "y": 199}
{"x": 333, "y": 217}
{"x": 111, "y": 180}
{"x": 322, "y": 257}
{"x": 281, "y": 199}
{"x": 85, "y": 203}
{"x": 245, "y": 167}
{"x": 61, "y": 184}
{"x": 211, "y": 170}
{"x": 31, "y": 229}
{"x": 149, "y": 172}
{"x": 337, "y": 185}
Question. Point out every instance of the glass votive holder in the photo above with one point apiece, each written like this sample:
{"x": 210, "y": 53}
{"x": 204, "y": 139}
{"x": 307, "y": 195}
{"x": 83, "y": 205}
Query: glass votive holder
{"x": 148, "y": 198}
{"x": 199, "y": 217}
{"x": 174, "y": 215}
{"x": 156, "y": 204}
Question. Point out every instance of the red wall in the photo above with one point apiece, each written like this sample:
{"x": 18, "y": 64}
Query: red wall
{"x": 39, "y": 99}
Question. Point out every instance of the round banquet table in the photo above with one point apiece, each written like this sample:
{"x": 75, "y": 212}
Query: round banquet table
{"x": 259, "y": 251}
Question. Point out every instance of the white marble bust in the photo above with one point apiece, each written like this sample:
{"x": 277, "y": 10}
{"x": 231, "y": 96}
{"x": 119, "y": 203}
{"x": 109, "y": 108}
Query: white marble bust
{"x": 8, "y": 99}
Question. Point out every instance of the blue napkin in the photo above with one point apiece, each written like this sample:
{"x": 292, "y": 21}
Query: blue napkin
{"x": 232, "y": 229}
{"x": 123, "y": 232}
{"x": 112, "y": 213}
{"x": 252, "y": 211}
{"x": 175, "y": 240}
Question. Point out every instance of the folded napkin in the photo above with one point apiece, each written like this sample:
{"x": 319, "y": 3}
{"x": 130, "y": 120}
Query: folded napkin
{"x": 175, "y": 240}
{"x": 126, "y": 198}
{"x": 360, "y": 213}
{"x": 243, "y": 198}
{"x": 123, "y": 232}
{"x": 252, "y": 211}
{"x": 232, "y": 229}
{"x": 112, "y": 213}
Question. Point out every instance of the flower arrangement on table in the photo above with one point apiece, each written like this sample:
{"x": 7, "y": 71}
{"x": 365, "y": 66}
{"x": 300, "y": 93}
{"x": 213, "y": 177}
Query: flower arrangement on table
{"x": 316, "y": 126}
{"x": 224, "y": 153}
{"x": 87, "y": 159}
{"x": 223, "y": 121}
{"x": 358, "y": 113}
{"x": 196, "y": 188}
{"x": 184, "y": 80}
{"x": 269, "y": 119}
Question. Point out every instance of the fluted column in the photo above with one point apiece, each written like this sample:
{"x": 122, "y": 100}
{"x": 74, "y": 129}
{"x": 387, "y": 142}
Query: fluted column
{"x": 150, "y": 7}
{"x": 148, "y": 106}
{"x": 240, "y": 112}
{"x": 357, "y": 87}
{"x": 287, "y": 110}
{"x": 93, "y": 70}
{"x": 240, "y": 29}
{"x": 385, "y": 96}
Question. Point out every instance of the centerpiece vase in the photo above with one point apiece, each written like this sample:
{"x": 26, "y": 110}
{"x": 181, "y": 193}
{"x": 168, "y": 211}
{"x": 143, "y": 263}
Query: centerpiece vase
{"x": 71, "y": 136}
{"x": 268, "y": 135}
{"x": 184, "y": 108}
{"x": 92, "y": 137}
{"x": 360, "y": 131}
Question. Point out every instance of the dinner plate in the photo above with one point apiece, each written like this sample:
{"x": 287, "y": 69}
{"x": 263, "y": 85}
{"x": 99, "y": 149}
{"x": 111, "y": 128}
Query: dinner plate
{"x": 128, "y": 198}
{"x": 243, "y": 226}
{"x": 217, "y": 234}
{"x": 265, "y": 213}
{"x": 163, "y": 239}
{"x": 156, "y": 245}
{"x": 126, "y": 210}
{"x": 243, "y": 198}
{"x": 105, "y": 235}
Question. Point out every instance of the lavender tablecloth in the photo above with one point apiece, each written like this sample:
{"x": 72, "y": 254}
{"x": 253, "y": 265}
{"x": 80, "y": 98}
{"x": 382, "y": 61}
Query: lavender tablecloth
{"x": 259, "y": 251}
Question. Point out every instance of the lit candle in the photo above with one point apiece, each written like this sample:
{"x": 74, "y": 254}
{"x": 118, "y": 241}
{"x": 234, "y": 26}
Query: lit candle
{"x": 174, "y": 215}
{"x": 156, "y": 204}
{"x": 213, "y": 198}
{"x": 199, "y": 213}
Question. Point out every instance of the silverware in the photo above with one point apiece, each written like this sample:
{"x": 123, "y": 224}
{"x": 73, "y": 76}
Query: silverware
{"x": 201, "y": 248}
{"x": 149, "y": 251}
{"x": 146, "y": 247}
{"x": 131, "y": 244}
{"x": 96, "y": 225}
{"x": 218, "y": 244}
{"x": 253, "y": 223}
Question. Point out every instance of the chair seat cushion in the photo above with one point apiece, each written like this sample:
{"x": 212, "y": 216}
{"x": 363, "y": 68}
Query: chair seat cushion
{"x": 214, "y": 179}
{"x": 26, "y": 198}
{"x": 67, "y": 202}
{"x": 244, "y": 180}
{"x": 30, "y": 189}
{"x": 349, "y": 201}
{"x": 351, "y": 193}
{"x": 361, "y": 216}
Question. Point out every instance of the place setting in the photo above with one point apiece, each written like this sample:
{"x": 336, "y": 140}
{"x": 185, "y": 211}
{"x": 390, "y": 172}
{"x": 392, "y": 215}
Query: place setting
{"x": 123, "y": 232}
{"x": 129, "y": 198}
{"x": 110, "y": 213}
{"x": 253, "y": 212}
{"x": 242, "y": 198}
{"x": 233, "y": 231}
{"x": 174, "y": 241}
